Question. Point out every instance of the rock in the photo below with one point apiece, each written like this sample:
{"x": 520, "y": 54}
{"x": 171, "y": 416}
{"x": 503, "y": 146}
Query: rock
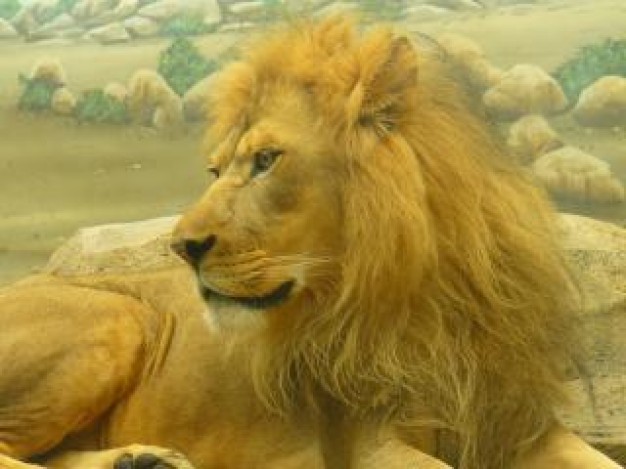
{"x": 116, "y": 91}
{"x": 7, "y": 31}
{"x": 196, "y": 100}
{"x": 63, "y": 102}
{"x": 24, "y": 21}
{"x": 88, "y": 9}
{"x": 161, "y": 10}
{"x": 570, "y": 172}
{"x": 597, "y": 253}
{"x": 603, "y": 103}
{"x": 425, "y": 12}
{"x": 43, "y": 9}
{"x": 139, "y": 26}
{"x": 531, "y": 136}
{"x": 62, "y": 22}
{"x": 127, "y": 247}
{"x": 113, "y": 33}
{"x": 471, "y": 60}
{"x": 337, "y": 8}
{"x": 48, "y": 69}
{"x": 247, "y": 10}
{"x": 125, "y": 8}
{"x": 525, "y": 89}
{"x": 151, "y": 101}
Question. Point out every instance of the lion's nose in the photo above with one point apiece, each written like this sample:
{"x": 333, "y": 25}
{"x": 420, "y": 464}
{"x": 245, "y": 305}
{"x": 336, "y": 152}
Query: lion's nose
{"x": 192, "y": 250}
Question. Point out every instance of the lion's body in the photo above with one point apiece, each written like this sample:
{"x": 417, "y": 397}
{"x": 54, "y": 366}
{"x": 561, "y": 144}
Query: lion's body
{"x": 368, "y": 260}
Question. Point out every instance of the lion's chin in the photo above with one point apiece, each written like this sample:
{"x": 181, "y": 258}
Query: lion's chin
{"x": 272, "y": 299}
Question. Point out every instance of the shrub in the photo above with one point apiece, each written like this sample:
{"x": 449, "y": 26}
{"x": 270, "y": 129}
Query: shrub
{"x": 590, "y": 63}
{"x": 95, "y": 106}
{"x": 182, "y": 65}
{"x": 8, "y": 8}
{"x": 36, "y": 94}
{"x": 186, "y": 25}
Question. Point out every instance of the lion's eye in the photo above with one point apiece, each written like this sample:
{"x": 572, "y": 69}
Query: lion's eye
{"x": 264, "y": 160}
{"x": 214, "y": 171}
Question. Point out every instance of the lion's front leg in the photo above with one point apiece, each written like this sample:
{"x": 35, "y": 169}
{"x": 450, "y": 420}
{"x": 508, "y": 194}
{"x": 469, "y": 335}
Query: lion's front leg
{"x": 127, "y": 457}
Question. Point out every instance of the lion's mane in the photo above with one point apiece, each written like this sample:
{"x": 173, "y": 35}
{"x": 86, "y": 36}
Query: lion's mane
{"x": 450, "y": 306}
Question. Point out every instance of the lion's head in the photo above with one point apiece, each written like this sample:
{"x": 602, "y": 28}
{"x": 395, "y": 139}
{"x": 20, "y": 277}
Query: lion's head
{"x": 395, "y": 258}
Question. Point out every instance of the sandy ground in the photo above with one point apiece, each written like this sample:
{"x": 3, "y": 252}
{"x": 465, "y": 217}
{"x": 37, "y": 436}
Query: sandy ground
{"x": 56, "y": 176}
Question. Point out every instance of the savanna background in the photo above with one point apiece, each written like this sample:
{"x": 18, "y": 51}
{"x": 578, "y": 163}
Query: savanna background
{"x": 58, "y": 173}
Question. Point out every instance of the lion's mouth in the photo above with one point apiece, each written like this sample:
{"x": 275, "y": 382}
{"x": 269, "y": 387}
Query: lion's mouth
{"x": 274, "y": 298}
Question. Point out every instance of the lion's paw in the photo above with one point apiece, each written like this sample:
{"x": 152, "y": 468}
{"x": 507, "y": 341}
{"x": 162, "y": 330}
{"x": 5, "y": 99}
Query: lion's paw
{"x": 150, "y": 457}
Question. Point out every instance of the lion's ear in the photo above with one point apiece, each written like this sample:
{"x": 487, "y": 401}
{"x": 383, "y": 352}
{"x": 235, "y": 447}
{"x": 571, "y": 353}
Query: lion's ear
{"x": 388, "y": 72}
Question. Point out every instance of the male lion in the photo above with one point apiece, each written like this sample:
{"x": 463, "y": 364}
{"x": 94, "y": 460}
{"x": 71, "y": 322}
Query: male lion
{"x": 368, "y": 260}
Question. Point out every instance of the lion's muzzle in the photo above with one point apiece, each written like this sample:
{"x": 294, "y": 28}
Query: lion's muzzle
{"x": 191, "y": 250}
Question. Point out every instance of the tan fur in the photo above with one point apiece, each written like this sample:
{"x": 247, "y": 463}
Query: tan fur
{"x": 433, "y": 293}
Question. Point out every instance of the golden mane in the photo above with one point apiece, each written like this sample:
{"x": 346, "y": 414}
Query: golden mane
{"x": 451, "y": 305}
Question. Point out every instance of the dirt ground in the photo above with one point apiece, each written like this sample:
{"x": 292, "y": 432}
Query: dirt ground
{"x": 56, "y": 176}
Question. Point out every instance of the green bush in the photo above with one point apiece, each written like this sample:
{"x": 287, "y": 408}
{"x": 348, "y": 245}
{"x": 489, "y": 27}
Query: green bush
{"x": 590, "y": 63}
{"x": 186, "y": 25}
{"x": 8, "y": 8}
{"x": 182, "y": 65}
{"x": 36, "y": 94}
{"x": 95, "y": 106}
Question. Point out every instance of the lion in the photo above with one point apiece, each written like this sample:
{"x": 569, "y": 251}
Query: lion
{"x": 364, "y": 262}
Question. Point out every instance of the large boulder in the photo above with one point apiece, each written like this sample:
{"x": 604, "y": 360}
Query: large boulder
{"x": 532, "y": 136}
{"x": 603, "y": 103}
{"x": 119, "y": 247}
{"x": 525, "y": 89}
{"x": 596, "y": 251}
{"x": 469, "y": 57}
{"x": 571, "y": 173}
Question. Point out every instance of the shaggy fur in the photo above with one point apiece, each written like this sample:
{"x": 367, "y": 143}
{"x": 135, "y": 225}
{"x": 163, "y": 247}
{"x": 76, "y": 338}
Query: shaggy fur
{"x": 445, "y": 304}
